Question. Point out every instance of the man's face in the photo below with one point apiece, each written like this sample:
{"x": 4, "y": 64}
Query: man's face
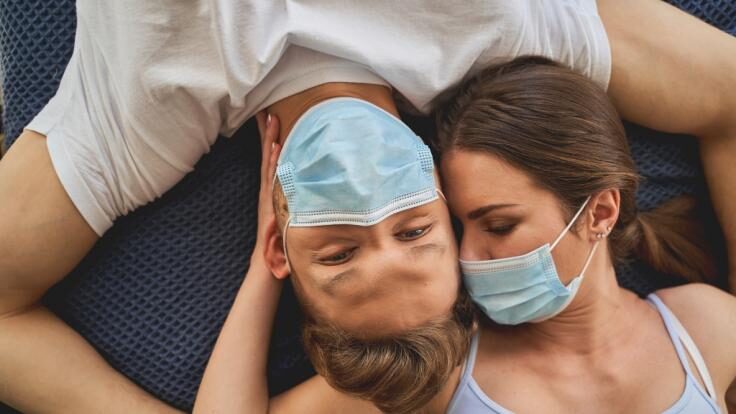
{"x": 375, "y": 280}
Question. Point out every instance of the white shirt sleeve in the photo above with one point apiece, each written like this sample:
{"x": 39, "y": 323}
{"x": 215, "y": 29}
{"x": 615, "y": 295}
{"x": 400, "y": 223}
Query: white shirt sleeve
{"x": 567, "y": 31}
{"x": 141, "y": 100}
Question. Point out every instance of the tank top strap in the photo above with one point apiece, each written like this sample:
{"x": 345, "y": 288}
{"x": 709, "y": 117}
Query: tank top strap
{"x": 680, "y": 337}
{"x": 467, "y": 375}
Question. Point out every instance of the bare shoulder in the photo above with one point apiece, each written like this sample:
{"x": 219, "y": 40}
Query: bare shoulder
{"x": 317, "y": 396}
{"x": 709, "y": 316}
{"x": 699, "y": 300}
{"x": 702, "y": 307}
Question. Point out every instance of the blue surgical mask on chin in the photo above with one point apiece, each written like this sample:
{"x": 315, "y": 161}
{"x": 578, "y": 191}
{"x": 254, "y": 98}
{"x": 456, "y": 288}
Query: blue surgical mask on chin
{"x": 347, "y": 161}
{"x": 525, "y": 288}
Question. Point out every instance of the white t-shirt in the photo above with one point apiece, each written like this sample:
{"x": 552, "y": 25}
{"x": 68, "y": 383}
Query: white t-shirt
{"x": 151, "y": 83}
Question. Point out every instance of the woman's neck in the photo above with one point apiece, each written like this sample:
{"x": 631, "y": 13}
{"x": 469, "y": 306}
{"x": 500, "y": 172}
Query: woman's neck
{"x": 598, "y": 318}
{"x": 290, "y": 109}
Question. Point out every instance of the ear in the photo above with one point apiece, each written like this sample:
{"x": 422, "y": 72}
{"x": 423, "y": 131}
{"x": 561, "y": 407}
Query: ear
{"x": 603, "y": 212}
{"x": 274, "y": 252}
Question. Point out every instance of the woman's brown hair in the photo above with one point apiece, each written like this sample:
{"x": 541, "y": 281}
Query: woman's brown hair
{"x": 561, "y": 129}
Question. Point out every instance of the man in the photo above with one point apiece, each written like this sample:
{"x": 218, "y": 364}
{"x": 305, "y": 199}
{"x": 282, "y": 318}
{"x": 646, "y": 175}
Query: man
{"x": 132, "y": 116}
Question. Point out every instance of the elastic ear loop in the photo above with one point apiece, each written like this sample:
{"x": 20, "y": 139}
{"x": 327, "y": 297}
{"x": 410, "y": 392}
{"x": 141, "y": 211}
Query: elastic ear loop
{"x": 569, "y": 225}
{"x": 283, "y": 243}
{"x": 588, "y": 260}
{"x": 288, "y": 220}
{"x": 564, "y": 232}
{"x": 581, "y": 275}
{"x": 441, "y": 194}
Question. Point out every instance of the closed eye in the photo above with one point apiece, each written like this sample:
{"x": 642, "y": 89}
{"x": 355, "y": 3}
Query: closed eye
{"x": 501, "y": 229}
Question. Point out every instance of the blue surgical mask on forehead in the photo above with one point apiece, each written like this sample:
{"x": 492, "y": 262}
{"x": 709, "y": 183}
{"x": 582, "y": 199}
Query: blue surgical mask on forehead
{"x": 346, "y": 161}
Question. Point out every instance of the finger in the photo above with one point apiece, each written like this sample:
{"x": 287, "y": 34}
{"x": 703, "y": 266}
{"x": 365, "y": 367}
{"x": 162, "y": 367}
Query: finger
{"x": 272, "y": 128}
{"x": 267, "y": 141}
{"x": 275, "y": 147}
{"x": 261, "y": 121}
{"x": 265, "y": 205}
{"x": 273, "y": 161}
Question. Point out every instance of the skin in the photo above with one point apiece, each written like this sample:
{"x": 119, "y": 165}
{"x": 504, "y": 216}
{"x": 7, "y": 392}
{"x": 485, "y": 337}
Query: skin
{"x": 44, "y": 365}
{"x": 352, "y": 274}
{"x": 672, "y": 73}
{"x": 607, "y": 338}
{"x": 239, "y": 358}
{"x": 590, "y": 342}
{"x": 406, "y": 263}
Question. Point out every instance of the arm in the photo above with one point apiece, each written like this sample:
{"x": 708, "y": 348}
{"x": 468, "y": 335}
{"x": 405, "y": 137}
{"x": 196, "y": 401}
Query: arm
{"x": 45, "y": 366}
{"x": 235, "y": 378}
{"x": 678, "y": 74}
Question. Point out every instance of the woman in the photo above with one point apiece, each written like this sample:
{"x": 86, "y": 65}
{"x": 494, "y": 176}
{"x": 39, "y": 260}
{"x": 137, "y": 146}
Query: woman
{"x": 533, "y": 155}
{"x": 546, "y": 156}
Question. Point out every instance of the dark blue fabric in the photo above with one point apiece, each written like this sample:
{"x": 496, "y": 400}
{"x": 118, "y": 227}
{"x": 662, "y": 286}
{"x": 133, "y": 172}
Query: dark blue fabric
{"x": 153, "y": 293}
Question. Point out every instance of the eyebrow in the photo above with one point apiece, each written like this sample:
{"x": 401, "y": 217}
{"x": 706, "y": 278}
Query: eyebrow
{"x": 480, "y": 212}
{"x": 340, "y": 278}
{"x": 418, "y": 250}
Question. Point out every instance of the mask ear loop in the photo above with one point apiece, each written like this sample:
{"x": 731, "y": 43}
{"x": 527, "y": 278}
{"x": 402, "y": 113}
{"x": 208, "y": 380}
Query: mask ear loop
{"x": 283, "y": 243}
{"x": 441, "y": 194}
{"x": 575, "y": 217}
{"x": 588, "y": 260}
{"x": 592, "y": 250}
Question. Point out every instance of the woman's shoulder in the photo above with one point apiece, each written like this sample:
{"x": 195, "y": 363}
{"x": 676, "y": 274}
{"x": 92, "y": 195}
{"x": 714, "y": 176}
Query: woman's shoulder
{"x": 698, "y": 300}
{"x": 701, "y": 308}
{"x": 709, "y": 316}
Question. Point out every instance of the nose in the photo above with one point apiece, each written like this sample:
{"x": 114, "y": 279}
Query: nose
{"x": 471, "y": 248}
{"x": 386, "y": 261}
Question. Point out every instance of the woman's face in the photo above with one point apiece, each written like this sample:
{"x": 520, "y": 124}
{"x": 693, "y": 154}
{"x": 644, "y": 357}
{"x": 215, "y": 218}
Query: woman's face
{"x": 504, "y": 213}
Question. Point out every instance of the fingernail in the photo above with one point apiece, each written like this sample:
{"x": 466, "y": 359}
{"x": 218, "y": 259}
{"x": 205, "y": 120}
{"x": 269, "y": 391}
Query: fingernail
{"x": 268, "y": 120}
{"x": 273, "y": 146}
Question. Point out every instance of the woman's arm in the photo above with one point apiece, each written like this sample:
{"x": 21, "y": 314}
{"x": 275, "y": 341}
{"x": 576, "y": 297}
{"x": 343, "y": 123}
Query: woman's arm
{"x": 675, "y": 73}
{"x": 235, "y": 378}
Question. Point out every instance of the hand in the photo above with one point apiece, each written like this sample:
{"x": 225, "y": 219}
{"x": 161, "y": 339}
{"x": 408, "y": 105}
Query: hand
{"x": 268, "y": 128}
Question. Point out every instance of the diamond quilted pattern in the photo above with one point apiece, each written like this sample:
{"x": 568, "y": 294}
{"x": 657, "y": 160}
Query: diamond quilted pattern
{"x": 153, "y": 293}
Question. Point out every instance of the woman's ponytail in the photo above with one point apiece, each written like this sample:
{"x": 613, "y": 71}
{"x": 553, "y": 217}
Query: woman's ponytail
{"x": 672, "y": 240}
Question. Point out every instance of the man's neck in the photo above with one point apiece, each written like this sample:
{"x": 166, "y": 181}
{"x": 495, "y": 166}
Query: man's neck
{"x": 290, "y": 109}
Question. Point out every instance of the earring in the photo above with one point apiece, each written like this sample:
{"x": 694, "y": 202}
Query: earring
{"x": 600, "y": 235}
